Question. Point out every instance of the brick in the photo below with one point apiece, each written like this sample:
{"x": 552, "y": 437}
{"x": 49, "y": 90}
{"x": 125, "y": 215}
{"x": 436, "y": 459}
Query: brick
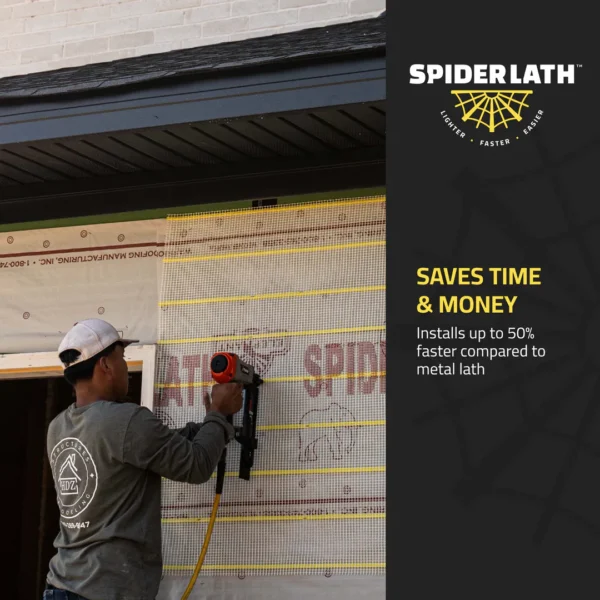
{"x": 276, "y": 19}
{"x": 9, "y": 59}
{"x": 160, "y": 20}
{"x": 78, "y": 32}
{"x": 131, "y": 40}
{"x": 252, "y": 7}
{"x": 22, "y": 69}
{"x": 11, "y": 2}
{"x": 33, "y": 9}
{"x": 12, "y": 26}
{"x": 205, "y": 42}
{"x": 77, "y": 61}
{"x": 157, "y": 48}
{"x": 45, "y": 22}
{"x": 133, "y": 9}
{"x": 364, "y": 7}
{"x": 217, "y": 28}
{"x": 292, "y": 28}
{"x": 64, "y": 5}
{"x": 3, "y": 45}
{"x": 208, "y": 13}
{"x": 246, "y": 35}
{"x": 177, "y": 4}
{"x": 29, "y": 40}
{"x": 113, "y": 27}
{"x": 323, "y": 13}
{"x": 87, "y": 47}
{"x": 115, "y": 55}
{"x": 42, "y": 54}
{"x": 298, "y": 3}
{"x": 208, "y": 2}
{"x": 89, "y": 15}
{"x": 34, "y": 67}
{"x": 5, "y": 14}
{"x": 176, "y": 34}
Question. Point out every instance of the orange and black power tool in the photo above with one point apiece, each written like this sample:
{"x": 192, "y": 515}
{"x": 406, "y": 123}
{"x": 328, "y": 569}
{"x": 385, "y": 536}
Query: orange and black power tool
{"x": 226, "y": 367}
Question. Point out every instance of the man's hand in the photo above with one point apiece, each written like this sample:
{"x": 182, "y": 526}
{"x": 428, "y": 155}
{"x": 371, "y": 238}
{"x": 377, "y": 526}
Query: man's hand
{"x": 226, "y": 398}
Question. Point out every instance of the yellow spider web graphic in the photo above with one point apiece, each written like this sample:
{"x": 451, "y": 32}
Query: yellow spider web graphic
{"x": 491, "y": 108}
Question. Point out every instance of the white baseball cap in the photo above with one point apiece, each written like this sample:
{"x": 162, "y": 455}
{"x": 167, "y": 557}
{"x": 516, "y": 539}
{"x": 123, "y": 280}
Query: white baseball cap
{"x": 90, "y": 337}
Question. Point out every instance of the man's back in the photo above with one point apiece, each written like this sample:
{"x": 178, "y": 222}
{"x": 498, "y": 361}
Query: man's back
{"x": 109, "y": 544}
{"x": 107, "y": 459}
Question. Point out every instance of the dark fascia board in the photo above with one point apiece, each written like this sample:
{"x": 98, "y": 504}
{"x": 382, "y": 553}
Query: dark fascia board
{"x": 210, "y": 98}
{"x": 360, "y": 168}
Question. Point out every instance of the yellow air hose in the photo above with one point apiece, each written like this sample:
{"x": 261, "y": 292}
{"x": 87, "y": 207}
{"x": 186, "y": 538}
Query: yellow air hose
{"x": 211, "y": 524}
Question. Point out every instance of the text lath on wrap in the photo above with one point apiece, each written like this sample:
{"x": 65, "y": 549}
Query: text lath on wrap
{"x": 298, "y": 291}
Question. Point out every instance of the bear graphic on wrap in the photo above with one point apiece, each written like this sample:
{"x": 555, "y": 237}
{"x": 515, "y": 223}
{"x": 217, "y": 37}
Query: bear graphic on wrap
{"x": 339, "y": 439}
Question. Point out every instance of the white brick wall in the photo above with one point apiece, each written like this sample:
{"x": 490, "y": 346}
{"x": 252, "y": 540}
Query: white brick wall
{"x": 42, "y": 35}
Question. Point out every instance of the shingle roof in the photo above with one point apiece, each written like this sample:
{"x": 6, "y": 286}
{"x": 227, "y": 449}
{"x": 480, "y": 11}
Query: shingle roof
{"x": 322, "y": 42}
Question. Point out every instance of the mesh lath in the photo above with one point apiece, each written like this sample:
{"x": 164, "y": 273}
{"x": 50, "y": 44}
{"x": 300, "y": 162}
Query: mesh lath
{"x": 299, "y": 292}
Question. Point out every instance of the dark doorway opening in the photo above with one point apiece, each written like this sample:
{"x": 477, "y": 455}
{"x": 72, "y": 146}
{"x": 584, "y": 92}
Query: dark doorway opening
{"x": 31, "y": 523}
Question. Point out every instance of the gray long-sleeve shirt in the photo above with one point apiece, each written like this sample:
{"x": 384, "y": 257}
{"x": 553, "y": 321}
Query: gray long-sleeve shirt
{"x": 107, "y": 461}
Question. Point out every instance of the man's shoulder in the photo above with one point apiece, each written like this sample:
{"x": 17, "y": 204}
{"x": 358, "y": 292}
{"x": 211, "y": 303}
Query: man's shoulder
{"x": 120, "y": 411}
{"x": 121, "y": 408}
{"x": 100, "y": 412}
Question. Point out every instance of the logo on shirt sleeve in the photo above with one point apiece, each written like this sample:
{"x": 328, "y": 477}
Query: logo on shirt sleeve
{"x": 75, "y": 476}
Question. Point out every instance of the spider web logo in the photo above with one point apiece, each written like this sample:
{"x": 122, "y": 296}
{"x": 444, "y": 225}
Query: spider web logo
{"x": 492, "y": 108}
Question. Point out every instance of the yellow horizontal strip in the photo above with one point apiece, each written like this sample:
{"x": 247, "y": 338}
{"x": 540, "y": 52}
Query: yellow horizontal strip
{"x": 279, "y": 379}
{"x": 297, "y": 567}
{"x": 322, "y": 377}
{"x": 322, "y": 471}
{"x": 264, "y": 518}
{"x": 275, "y": 252}
{"x": 290, "y": 472}
{"x": 275, "y": 334}
{"x": 274, "y": 295}
{"x": 274, "y": 209}
{"x": 321, "y": 425}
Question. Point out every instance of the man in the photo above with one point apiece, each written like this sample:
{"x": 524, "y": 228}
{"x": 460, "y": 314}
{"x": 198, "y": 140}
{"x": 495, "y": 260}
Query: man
{"x": 107, "y": 458}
